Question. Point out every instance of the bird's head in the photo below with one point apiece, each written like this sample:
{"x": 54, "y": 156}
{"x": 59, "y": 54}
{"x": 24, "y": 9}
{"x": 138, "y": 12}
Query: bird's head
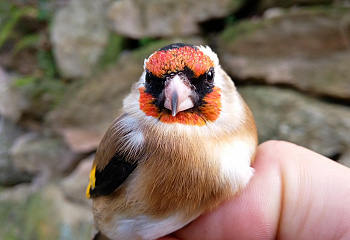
{"x": 179, "y": 85}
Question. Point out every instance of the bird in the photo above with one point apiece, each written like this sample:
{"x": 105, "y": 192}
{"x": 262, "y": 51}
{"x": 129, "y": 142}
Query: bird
{"x": 184, "y": 143}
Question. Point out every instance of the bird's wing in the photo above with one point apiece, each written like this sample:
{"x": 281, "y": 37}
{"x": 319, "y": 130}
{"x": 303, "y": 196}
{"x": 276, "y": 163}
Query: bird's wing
{"x": 117, "y": 156}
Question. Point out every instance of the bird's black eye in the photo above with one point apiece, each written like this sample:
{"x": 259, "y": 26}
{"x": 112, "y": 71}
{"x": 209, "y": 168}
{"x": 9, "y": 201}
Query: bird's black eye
{"x": 210, "y": 75}
{"x": 148, "y": 77}
{"x": 152, "y": 79}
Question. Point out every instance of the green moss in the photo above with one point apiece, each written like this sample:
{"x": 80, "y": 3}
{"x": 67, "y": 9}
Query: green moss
{"x": 324, "y": 9}
{"x": 42, "y": 85}
{"x": 230, "y": 20}
{"x": 235, "y": 4}
{"x": 243, "y": 29}
{"x": 10, "y": 19}
{"x": 112, "y": 50}
{"x": 27, "y": 41}
{"x": 47, "y": 64}
{"x": 46, "y": 90}
{"x": 146, "y": 41}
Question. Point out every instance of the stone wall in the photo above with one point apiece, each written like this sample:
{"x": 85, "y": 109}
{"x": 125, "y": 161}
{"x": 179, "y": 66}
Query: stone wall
{"x": 63, "y": 78}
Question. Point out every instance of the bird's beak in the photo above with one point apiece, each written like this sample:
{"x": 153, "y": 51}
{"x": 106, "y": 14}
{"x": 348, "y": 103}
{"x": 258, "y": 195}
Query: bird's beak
{"x": 177, "y": 95}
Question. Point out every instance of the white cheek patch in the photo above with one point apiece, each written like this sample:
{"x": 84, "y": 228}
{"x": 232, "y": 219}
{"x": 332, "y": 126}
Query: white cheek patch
{"x": 235, "y": 159}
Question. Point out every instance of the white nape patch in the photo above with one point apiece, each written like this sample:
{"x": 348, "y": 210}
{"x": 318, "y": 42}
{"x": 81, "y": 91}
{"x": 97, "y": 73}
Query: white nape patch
{"x": 235, "y": 160}
{"x": 145, "y": 228}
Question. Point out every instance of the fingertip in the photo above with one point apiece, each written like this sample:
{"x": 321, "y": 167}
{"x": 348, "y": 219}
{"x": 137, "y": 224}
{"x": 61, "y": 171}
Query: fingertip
{"x": 314, "y": 189}
{"x": 276, "y": 149}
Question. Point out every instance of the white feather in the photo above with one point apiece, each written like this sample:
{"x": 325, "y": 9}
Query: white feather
{"x": 154, "y": 228}
{"x": 235, "y": 160}
{"x": 144, "y": 227}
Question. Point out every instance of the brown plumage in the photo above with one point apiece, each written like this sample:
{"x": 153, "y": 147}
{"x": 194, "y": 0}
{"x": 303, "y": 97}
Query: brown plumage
{"x": 184, "y": 143}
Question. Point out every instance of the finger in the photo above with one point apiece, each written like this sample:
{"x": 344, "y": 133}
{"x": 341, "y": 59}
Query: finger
{"x": 292, "y": 190}
{"x": 316, "y": 197}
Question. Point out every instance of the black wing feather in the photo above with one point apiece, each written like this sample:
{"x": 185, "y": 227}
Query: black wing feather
{"x": 112, "y": 176}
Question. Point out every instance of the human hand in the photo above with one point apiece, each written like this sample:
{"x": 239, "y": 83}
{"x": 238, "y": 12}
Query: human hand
{"x": 294, "y": 194}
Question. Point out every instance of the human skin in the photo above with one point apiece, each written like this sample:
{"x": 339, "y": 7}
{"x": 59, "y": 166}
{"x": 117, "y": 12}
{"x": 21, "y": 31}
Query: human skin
{"x": 295, "y": 194}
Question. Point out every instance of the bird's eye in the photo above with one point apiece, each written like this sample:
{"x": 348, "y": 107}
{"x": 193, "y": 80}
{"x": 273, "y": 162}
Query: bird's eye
{"x": 148, "y": 77}
{"x": 210, "y": 75}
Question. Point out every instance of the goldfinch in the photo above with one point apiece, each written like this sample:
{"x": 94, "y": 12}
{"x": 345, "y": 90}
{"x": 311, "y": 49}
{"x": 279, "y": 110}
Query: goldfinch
{"x": 183, "y": 144}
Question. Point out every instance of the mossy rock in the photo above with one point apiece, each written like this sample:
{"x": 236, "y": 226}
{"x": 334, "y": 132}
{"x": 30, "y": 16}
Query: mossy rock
{"x": 28, "y": 215}
{"x": 305, "y": 48}
{"x": 30, "y": 218}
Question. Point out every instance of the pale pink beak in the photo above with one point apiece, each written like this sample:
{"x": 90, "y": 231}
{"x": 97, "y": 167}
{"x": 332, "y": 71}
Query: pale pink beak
{"x": 177, "y": 96}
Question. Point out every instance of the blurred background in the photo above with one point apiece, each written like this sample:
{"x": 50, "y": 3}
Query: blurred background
{"x": 66, "y": 65}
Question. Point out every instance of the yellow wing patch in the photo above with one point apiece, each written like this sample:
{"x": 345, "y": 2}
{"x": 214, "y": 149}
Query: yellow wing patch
{"x": 92, "y": 181}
